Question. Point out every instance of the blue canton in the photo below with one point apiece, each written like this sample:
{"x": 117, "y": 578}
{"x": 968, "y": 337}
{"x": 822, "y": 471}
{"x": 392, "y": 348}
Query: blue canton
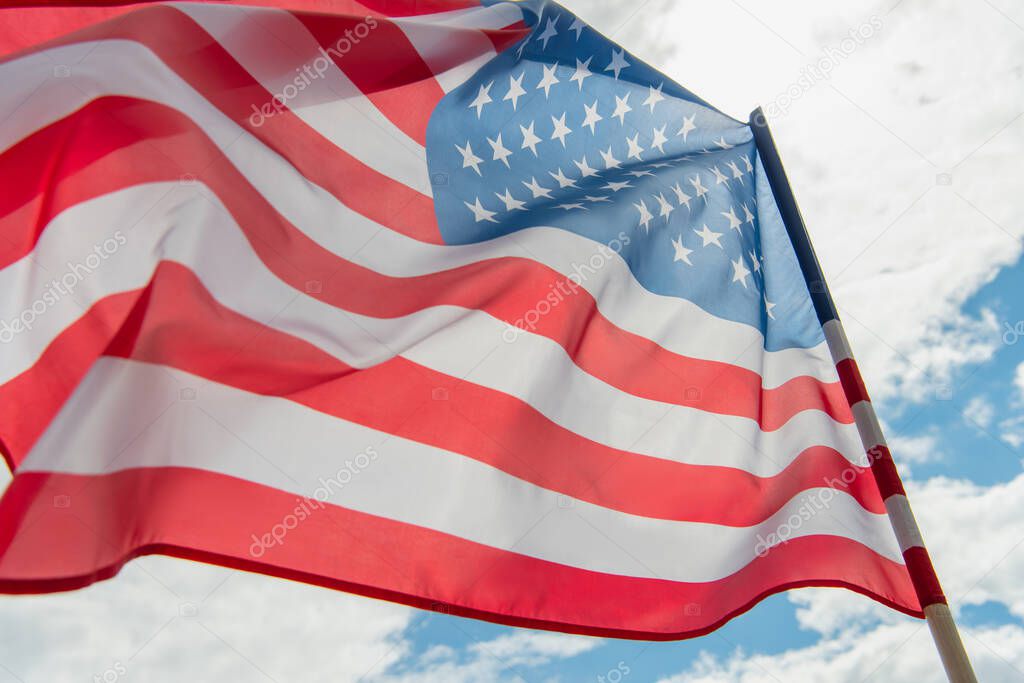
{"x": 567, "y": 130}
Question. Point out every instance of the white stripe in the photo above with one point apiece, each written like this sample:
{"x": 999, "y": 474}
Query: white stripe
{"x": 32, "y": 99}
{"x": 454, "y": 58}
{"x": 182, "y": 223}
{"x": 330, "y": 104}
{"x": 127, "y": 414}
{"x": 492, "y": 17}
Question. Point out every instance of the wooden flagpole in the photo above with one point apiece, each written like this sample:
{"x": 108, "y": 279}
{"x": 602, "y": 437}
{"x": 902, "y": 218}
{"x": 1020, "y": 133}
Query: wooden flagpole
{"x": 922, "y": 573}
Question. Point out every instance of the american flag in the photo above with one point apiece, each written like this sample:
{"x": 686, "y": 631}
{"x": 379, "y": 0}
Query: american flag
{"x": 455, "y": 304}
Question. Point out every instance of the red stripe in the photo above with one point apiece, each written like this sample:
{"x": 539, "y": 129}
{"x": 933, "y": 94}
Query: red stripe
{"x": 116, "y": 142}
{"x": 384, "y": 65}
{"x": 506, "y": 37}
{"x": 61, "y": 531}
{"x": 197, "y": 58}
{"x": 393, "y": 8}
{"x": 31, "y": 400}
{"x": 175, "y": 322}
{"x": 922, "y": 574}
{"x": 26, "y": 23}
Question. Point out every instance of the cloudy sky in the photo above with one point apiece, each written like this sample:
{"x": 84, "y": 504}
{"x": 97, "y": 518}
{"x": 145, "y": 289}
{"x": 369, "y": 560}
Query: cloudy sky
{"x": 907, "y": 162}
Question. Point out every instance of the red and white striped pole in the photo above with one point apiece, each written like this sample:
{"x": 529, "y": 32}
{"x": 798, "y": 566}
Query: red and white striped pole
{"x": 922, "y": 573}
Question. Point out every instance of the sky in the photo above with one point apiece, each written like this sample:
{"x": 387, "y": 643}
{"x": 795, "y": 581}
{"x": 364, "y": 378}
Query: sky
{"x": 906, "y": 159}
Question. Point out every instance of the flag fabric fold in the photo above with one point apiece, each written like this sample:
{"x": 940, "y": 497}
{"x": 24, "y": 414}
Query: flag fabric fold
{"x": 454, "y": 304}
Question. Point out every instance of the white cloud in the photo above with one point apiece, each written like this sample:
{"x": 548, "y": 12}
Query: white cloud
{"x": 893, "y": 653}
{"x": 979, "y": 412}
{"x": 921, "y": 448}
{"x": 1018, "y": 382}
{"x": 505, "y": 658}
{"x": 1011, "y": 430}
{"x": 902, "y": 254}
{"x": 166, "y": 620}
{"x": 894, "y": 158}
{"x": 976, "y": 537}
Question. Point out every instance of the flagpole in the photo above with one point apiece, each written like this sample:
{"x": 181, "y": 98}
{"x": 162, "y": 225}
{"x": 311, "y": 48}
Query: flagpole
{"x": 922, "y": 573}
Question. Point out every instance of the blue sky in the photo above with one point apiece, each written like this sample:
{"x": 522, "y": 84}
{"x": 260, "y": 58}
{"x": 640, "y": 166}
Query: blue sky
{"x": 906, "y": 161}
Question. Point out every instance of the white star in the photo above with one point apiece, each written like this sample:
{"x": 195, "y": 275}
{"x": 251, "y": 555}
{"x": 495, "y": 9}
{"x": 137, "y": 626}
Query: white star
{"x": 609, "y": 160}
{"x": 654, "y": 97}
{"x": 697, "y": 187}
{"x": 581, "y": 72}
{"x": 740, "y": 272}
{"x": 747, "y": 216}
{"x": 563, "y": 181}
{"x": 645, "y": 215}
{"x": 688, "y": 125}
{"x": 548, "y": 33}
{"x": 708, "y": 236}
{"x": 768, "y": 306}
{"x": 642, "y": 172}
{"x": 511, "y": 203}
{"x": 530, "y": 138}
{"x": 734, "y": 221}
{"x": 634, "y": 147}
{"x": 621, "y": 108}
{"x": 574, "y": 205}
{"x": 500, "y": 153}
{"x": 548, "y": 79}
{"x": 659, "y": 139}
{"x": 480, "y": 213}
{"x": 577, "y": 26}
{"x": 681, "y": 196}
{"x": 682, "y": 253}
{"x": 660, "y": 164}
{"x": 746, "y": 163}
{"x": 664, "y": 207}
{"x": 561, "y": 130}
{"x": 536, "y": 189}
{"x": 482, "y": 98}
{"x": 755, "y": 261}
{"x": 470, "y": 159}
{"x": 593, "y": 199}
{"x": 722, "y": 143}
{"x": 584, "y": 167}
{"x": 591, "y": 116}
{"x": 736, "y": 172}
{"x": 618, "y": 62}
{"x": 719, "y": 176}
{"x": 515, "y": 90}
{"x": 616, "y": 186}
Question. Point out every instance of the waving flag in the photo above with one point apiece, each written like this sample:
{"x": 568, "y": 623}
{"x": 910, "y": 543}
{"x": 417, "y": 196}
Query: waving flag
{"x": 458, "y": 305}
